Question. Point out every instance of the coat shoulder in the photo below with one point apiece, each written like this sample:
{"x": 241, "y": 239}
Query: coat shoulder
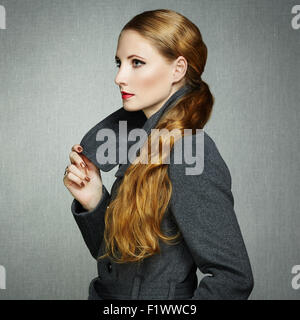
{"x": 201, "y": 159}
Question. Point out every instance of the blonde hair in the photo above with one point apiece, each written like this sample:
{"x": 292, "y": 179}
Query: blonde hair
{"x": 133, "y": 218}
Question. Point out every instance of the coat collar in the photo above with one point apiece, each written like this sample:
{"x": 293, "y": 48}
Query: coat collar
{"x": 135, "y": 120}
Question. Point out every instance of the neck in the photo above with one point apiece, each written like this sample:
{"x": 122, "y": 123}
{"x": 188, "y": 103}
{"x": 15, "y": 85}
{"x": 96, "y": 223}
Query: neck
{"x": 153, "y": 109}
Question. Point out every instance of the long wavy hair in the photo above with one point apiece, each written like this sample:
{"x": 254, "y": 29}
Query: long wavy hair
{"x": 133, "y": 219}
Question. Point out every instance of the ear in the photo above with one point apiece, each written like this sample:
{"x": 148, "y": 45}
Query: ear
{"x": 180, "y": 67}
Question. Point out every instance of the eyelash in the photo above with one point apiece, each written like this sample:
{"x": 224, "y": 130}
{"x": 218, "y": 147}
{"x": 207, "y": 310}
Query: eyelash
{"x": 132, "y": 61}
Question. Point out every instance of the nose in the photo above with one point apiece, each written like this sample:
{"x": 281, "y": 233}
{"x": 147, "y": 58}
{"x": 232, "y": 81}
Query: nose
{"x": 121, "y": 78}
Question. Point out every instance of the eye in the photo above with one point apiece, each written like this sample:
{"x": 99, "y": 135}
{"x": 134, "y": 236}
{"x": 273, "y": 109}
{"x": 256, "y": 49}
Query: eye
{"x": 134, "y": 60}
{"x": 138, "y": 61}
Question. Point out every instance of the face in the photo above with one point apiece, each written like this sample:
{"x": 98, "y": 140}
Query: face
{"x": 146, "y": 74}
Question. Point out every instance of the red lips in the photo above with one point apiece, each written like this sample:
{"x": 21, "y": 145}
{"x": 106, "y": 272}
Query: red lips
{"x": 126, "y": 95}
{"x": 124, "y": 92}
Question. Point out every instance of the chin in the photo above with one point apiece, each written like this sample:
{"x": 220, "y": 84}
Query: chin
{"x": 129, "y": 108}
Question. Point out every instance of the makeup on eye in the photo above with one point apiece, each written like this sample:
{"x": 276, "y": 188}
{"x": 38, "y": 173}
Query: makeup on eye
{"x": 117, "y": 61}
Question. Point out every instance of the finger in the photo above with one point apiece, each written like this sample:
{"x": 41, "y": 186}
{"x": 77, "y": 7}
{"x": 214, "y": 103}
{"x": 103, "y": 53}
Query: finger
{"x": 87, "y": 161}
{"x": 72, "y": 177}
{"x": 75, "y": 158}
{"x": 72, "y": 168}
{"x": 77, "y": 148}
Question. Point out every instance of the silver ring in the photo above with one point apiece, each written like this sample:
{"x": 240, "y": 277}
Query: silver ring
{"x": 66, "y": 170}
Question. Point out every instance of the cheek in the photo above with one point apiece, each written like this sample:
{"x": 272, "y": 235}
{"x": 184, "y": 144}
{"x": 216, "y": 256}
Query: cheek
{"x": 154, "y": 80}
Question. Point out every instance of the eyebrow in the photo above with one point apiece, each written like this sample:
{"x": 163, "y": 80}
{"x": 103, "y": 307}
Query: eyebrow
{"x": 133, "y": 55}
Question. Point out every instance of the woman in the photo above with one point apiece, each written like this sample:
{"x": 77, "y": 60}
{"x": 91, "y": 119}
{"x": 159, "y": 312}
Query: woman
{"x": 158, "y": 223}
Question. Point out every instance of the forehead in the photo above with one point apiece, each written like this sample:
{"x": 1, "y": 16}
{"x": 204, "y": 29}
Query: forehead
{"x": 131, "y": 42}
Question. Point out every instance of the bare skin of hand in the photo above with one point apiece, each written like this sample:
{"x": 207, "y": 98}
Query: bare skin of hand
{"x": 84, "y": 183}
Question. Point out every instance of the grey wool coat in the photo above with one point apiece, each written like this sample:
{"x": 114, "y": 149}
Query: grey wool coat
{"x": 201, "y": 207}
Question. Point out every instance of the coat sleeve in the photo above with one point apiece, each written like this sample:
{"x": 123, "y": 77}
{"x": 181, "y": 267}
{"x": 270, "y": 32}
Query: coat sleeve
{"x": 203, "y": 207}
{"x": 91, "y": 223}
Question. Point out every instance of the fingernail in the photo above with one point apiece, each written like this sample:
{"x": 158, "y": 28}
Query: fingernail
{"x": 82, "y": 183}
{"x": 79, "y": 149}
{"x": 87, "y": 179}
{"x": 82, "y": 164}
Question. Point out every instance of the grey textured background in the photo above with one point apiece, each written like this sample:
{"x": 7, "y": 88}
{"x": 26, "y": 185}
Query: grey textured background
{"x": 57, "y": 80}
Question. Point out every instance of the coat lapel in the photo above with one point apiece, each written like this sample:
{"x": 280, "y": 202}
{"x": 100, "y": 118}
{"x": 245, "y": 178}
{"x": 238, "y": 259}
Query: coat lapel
{"x": 134, "y": 120}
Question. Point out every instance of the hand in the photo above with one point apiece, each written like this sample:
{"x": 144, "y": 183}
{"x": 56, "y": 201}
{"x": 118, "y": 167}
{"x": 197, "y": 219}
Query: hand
{"x": 83, "y": 179}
